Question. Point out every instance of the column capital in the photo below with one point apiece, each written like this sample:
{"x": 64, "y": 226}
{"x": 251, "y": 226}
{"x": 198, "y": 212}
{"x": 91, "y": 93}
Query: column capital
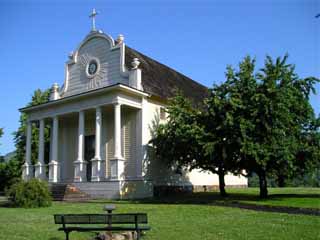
{"x": 29, "y": 122}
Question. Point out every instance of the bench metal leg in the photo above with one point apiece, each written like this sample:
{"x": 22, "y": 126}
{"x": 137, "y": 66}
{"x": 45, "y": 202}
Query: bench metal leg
{"x": 67, "y": 235}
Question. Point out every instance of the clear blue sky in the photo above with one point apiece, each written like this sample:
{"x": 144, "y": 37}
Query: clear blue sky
{"x": 198, "y": 38}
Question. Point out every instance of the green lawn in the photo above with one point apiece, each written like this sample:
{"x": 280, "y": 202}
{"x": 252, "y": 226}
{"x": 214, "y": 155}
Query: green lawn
{"x": 289, "y": 197}
{"x": 284, "y": 197}
{"x": 190, "y": 219}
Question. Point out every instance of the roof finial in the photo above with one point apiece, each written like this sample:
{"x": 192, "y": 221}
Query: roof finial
{"x": 93, "y": 16}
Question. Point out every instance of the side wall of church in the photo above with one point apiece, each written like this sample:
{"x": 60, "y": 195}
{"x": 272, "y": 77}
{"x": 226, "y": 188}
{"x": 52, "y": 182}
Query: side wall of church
{"x": 154, "y": 169}
{"x": 200, "y": 178}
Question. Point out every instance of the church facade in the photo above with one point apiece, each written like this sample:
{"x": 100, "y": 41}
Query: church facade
{"x": 102, "y": 119}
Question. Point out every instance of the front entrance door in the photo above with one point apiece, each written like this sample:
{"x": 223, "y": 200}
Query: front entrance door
{"x": 89, "y": 151}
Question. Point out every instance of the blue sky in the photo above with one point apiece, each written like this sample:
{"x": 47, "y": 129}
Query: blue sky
{"x": 196, "y": 37}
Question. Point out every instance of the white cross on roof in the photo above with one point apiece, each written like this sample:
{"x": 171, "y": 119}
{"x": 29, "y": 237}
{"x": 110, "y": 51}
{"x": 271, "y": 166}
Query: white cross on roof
{"x": 93, "y": 16}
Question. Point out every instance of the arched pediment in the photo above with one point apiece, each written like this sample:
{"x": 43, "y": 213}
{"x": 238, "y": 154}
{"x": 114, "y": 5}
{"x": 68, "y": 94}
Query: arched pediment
{"x": 94, "y": 35}
{"x": 97, "y": 62}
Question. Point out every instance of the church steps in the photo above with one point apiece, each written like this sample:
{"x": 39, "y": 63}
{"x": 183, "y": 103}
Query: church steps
{"x": 84, "y": 191}
{"x": 66, "y": 192}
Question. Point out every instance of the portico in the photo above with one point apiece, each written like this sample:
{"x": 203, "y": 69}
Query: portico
{"x": 105, "y": 119}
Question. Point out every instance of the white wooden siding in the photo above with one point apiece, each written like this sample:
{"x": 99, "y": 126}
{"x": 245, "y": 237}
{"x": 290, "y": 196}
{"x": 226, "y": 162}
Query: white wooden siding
{"x": 109, "y": 128}
{"x": 129, "y": 142}
{"x": 99, "y": 48}
{"x": 67, "y": 149}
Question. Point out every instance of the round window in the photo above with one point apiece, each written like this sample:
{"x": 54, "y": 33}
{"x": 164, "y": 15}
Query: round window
{"x": 92, "y": 67}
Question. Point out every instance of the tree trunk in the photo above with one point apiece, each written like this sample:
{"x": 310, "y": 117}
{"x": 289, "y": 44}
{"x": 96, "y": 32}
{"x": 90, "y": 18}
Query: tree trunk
{"x": 222, "y": 184}
{"x": 263, "y": 184}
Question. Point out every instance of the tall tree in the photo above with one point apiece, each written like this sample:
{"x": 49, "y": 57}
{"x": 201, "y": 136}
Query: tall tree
{"x": 275, "y": 114}
{"x": 220, "y": 140}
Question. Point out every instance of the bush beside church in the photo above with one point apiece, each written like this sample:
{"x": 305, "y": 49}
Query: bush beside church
{"x": 30, "y": 194}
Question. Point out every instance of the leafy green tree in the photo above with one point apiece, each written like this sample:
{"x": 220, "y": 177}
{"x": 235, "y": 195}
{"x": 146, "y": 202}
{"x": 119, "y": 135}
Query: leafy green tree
{"x": 10, "y": 172}
{"x": 220, "y": 140}
{"x": 275, "y": 114}
{"x": 177, "y": 141}
{"x": 307, "y": 159}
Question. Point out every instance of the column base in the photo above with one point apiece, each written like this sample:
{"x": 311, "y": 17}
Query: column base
{"x": 97, "y": 169}
{"x": 80, "y": 171}
{"x": 40, "y": 171}
{"x": 117, "y": 168}
{"x": 27, "y": 171}
{"x": 54, "y": 176}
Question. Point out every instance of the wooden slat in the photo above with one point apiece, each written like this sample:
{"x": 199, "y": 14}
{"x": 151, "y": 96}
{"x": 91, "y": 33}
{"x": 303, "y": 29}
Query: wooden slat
{"x": 127, "y": 218}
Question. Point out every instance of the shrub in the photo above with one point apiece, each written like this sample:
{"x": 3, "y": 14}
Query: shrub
{"x": 30, "y": 194}
{"x": 9, "y": 172}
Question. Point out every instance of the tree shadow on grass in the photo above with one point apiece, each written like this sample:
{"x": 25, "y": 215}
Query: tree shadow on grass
{"x": 234, "y": 200}
{"x": 290, "y": 195}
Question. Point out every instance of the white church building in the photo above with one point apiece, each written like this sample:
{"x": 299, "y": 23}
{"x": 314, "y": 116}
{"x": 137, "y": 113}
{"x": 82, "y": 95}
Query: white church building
{"x": 102, "y": 119}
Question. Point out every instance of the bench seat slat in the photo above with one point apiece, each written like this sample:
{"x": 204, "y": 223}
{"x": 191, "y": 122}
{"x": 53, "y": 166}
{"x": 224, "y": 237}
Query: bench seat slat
{"x": 113, "y": 228}
{"x": 100, "y": 218}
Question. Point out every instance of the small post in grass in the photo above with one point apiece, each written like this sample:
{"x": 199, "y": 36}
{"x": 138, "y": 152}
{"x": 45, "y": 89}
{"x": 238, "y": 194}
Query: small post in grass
{"x": 109, "y": 208}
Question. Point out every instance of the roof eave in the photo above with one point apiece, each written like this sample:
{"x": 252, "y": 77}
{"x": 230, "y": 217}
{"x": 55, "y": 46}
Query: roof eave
{"x": 118, "y": 86}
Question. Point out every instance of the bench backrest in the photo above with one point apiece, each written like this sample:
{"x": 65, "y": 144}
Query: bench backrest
{"x": 119, "y": 218}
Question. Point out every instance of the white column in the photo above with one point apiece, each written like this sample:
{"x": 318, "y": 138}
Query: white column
{"x": 80, "y": 170}
{"x": 117, "y": 163}
{"x": 96, "y": 161}
{"x": 27, "y": 167}
{"x": 117, "y": 131}
{"x": 40, "y": 170}
{"x": 98, "y": 133}
{"x": 54, "y": 168}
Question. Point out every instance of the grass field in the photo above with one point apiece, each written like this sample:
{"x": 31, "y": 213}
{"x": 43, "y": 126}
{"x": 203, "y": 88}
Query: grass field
{"x": 182, "y": 218}
{"x": 288, "y": 197}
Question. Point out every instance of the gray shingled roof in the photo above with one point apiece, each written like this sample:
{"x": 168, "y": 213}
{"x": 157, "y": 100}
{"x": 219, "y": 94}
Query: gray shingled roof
{"x": 162, "y": 81}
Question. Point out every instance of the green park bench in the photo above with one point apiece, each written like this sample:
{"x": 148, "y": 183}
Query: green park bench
{"x": 135, "y": 222}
